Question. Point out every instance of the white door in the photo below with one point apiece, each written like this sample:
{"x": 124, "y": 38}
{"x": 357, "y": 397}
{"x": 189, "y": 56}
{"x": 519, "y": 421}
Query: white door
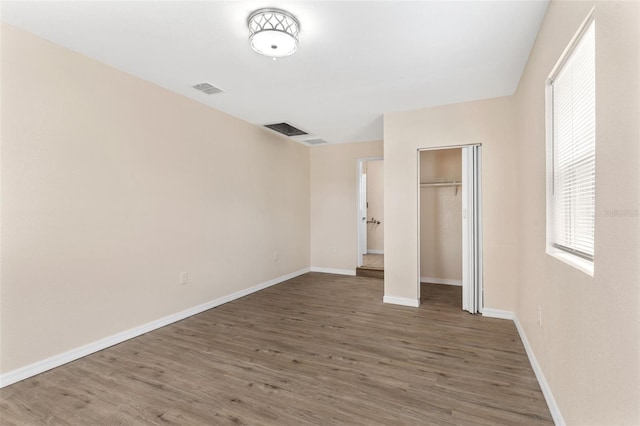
{"x": 471, "y": 230}
{"x": 362, "y": 215}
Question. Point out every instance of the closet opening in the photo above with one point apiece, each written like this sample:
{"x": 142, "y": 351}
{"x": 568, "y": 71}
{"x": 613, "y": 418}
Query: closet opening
{"x": 449, "y": 226}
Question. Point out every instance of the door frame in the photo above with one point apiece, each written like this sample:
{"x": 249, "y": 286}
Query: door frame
{"x": 477, "y": 210}
{"x": 361, "y": 209}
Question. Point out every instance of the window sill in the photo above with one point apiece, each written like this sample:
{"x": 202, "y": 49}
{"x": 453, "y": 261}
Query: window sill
{"x": 577, "y": 262}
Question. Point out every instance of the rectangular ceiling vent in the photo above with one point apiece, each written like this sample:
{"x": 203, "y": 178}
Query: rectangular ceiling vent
{"x": 286, "y": 129}
{"x": 207, "y": 88}
{"x": 316, "y": 141}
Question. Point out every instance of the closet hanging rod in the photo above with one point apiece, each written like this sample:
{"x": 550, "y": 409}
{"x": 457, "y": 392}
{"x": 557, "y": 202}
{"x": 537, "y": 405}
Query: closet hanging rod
{"x": 452, "y": 183}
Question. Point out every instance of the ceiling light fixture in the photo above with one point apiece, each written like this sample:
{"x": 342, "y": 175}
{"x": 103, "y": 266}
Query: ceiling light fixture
{"x": 273, "y": 32}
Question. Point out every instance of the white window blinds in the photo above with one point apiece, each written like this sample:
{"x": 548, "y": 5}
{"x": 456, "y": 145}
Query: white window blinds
{"x": 574, "y": 143}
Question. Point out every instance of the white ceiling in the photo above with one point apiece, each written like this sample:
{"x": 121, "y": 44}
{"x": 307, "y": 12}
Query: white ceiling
{"x": 356, "y": 60}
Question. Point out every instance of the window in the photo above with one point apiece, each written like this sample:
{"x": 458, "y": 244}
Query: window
{"x": 571, "y": 99}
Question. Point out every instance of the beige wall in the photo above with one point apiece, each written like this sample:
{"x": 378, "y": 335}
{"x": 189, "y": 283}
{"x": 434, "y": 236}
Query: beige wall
{"x": 334, "y": 207}
{"x": 588, "y": 344}
{"x": 375, "y": 201}
{"x": 488, "y": 122}
{"x": 441, "y": 217}
{"x": 112, "y": 186}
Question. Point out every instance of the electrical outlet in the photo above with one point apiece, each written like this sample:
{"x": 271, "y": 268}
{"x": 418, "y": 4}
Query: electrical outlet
{"x": 184, "y": 278}
{"x": 275, "y": 256}
{"x": 334, "y": 250}
{"x": 540, "y": 316}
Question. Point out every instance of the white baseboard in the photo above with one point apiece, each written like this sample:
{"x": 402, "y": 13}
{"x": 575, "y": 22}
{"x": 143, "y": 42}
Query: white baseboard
{"x": 370, "y": 251}
{"x": 333, "y": 271}
{"x": 497, "y": 313}
{"x": 542, "y": 381}
{"x": 546, "y": 390}
{"x": 38, "y": 367}
{"x": 414, "y": 303}
{"x": 446, "y": 281}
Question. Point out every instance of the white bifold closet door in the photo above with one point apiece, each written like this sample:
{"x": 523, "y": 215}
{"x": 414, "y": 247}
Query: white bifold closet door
{"x": 471, "y": 230}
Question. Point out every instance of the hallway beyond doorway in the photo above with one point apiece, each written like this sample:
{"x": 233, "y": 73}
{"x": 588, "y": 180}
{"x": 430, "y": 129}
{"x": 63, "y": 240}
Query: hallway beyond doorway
{"x": 372, "y": 266}
{"x": 375, "y": 261}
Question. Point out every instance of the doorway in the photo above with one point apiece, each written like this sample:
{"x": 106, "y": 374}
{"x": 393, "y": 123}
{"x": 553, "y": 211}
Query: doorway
{"x": 449, "y": 225}
{"x": 370, "y": 261}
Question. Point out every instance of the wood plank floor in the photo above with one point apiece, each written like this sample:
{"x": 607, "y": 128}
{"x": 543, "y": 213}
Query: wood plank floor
{"x": 320, "y": 349}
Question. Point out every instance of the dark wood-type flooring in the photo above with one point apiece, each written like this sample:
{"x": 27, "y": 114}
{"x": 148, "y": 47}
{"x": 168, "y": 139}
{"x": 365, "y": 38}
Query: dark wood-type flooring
{"x": 319, "y": 349}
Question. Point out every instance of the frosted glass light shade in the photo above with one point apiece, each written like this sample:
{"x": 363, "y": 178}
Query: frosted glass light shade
{"x": 273, "y": 32}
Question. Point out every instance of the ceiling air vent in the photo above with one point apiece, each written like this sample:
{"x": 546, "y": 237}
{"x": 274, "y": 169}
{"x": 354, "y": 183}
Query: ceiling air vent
{"x": 286, "y": 129}
{"x": 316, "y": 141}
{"x": 207, "y": 88}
